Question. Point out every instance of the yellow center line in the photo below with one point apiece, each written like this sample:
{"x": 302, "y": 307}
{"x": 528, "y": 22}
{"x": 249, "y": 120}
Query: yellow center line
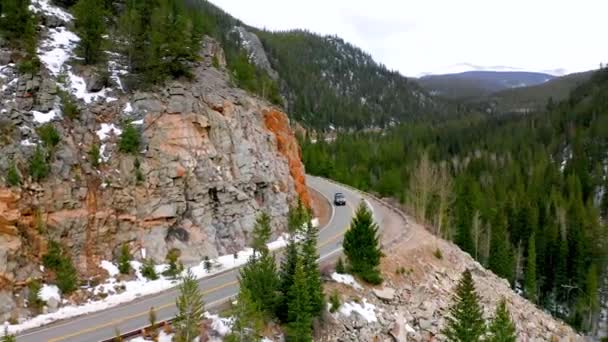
{"x": 122, "y": 319}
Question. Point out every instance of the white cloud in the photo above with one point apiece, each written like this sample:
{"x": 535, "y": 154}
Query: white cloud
{"x": 417, "y": 36}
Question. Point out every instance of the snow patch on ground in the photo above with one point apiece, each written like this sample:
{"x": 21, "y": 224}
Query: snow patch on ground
{"x": 57, "y": 49}
{"x": 162, "y": 337}
{"x": 138, "y": 122}
{"x": 44, "y": 6}
{"x": 78, "y": 87}
{"x": 346, "y": 279}
{"x": 366, "y": 310}
{"x": 110, "y": 268}
{"x": 42, "y": 118}
{"x": 49, "y": 291}
{"x": 106, "y": 129}
{"x": 140, "y": 286}
{"x": 221, "y": 325}
{"x": 128, "y": 108}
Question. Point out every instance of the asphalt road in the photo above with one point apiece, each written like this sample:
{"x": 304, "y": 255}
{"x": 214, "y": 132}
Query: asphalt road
{"x": 217, "y": 289}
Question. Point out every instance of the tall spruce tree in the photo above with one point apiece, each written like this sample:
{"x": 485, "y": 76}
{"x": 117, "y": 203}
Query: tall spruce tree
{"x": 501, "y": 257}
{"x": 530, "y": 286}
{"x": 502, "y": 328}
{"x": 17, "y": 23}
{"x": 299, "y": 328}
{"x": 465, "y": 322}
{"x": 286, "y": 274}
{"x": 260, "y": 277}
{"x": 190, "y": 308}
{"x": 261, "y": 233}
{"x": 91, "y": 26}
{"x": 361, "y": 246}
{"x": 311, "y": 269}
{"x": 248, "y": 318}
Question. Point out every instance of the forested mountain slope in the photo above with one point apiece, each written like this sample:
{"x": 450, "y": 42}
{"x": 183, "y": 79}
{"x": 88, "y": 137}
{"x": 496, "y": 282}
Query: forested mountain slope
{"x": 329, "y": 81}
{"x": 474, "y": 84}
{"x": 324, "y": 81}
{"x": 521, "y": 194}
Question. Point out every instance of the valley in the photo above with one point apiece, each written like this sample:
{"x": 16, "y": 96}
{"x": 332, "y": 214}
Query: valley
{"x": 169, "y": 172}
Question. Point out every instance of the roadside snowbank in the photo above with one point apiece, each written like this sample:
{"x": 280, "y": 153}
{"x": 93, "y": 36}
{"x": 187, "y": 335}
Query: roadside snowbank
{"x": 140, "y": 286}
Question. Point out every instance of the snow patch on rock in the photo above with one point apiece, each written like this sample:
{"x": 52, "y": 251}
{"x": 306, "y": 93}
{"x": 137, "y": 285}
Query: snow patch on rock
{"x": 346, "y": 279}
{"x": 366, "y": 310}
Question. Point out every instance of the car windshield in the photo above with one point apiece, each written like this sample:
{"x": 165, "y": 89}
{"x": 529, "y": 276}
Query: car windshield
{"x": 339, "y": 195}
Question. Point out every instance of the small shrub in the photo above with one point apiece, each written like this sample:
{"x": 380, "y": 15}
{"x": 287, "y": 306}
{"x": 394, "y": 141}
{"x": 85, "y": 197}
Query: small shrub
{"x": 53, "y": 257}
{"x": 12, "y": 177}
{"x": 175, "y": 266}
{"x": 33, "y": 298}
{"x": 67, "y": 277}
{"x": 39, "y": 167}
{"x": 124, "y": 265}
{"x": 94, "y": 155}
{"x": 68, "y": 105}
{"x": 216, "y": 62}
{"x": 438, "y": 254}
{"x": 334, "y": 300}
{"x": 49, "y": 135}
{"x": 207, "y": 264}
{"x": 153, "y": 330}
{"x": 147, "y": 270}
{"x": 56, "y": 260}
{"x": 372, "y": 277}
{"x": 400, "y": 270}
{"x": 340, "y": 267}
{"x": 29, "y": 66}
{"x": 129, "y": 140}
{"x": 40, "y": 224}
{"x": 139, "y": 176}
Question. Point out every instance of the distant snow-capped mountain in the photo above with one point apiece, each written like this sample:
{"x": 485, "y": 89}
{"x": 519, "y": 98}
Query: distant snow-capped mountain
{"x": 466, "y": 67}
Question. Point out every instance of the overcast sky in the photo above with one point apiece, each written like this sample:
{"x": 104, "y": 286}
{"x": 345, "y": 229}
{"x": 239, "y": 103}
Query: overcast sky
{"x": 419, "y": 36}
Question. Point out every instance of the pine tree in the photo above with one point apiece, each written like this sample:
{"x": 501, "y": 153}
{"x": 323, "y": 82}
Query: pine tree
{"x": 153, "y": 330}
{"x": 311, "y": 269}
{"x": 502, "y": 328}
{"x": 33, "y": 299}
{"x": 259, "y": 276}
{"x": 39, "y": 167}
{"x": 299, "y": 327}
{"x": 297, "y": 218}
{"x": 7, "y": 336}
{"x": 67, "y": 277}
{"x": 340, "y": 267}
{"x": 129, "y": 140}
{"x": 465, "y": 322}
{"x": 190, "y": 308}
{"x": 94, "y": 155}
{"x": 90, "y": 26}
{"x": 124, "y": 259}
{"x": 248, "y": 318}
{"x": 501, "y": 260}
{"x": 17, "y": 23}
{"x": 148, "y": 270}
{"x": 12, "y": 177}
{"x": 261, "y": 233}
{"x": 530, "y": 280}
{"x": 286, "y": 274}
{"x": 361, "y": 246}
{"x": 175, "y": 266}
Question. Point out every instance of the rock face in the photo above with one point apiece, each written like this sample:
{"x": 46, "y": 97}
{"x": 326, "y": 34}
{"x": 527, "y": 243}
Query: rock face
{"x": 212, "y": 157}
{"x": 257, "y": 54}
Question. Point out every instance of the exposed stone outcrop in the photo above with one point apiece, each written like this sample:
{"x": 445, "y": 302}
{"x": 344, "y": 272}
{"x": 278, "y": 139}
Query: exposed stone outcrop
{"x": 414, "y": 300}
{"x": 254, "y": 47}
{"x": 212, "y": 158}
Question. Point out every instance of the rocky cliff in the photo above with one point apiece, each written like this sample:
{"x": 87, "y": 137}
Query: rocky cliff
{"x": 211, "y": 158}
